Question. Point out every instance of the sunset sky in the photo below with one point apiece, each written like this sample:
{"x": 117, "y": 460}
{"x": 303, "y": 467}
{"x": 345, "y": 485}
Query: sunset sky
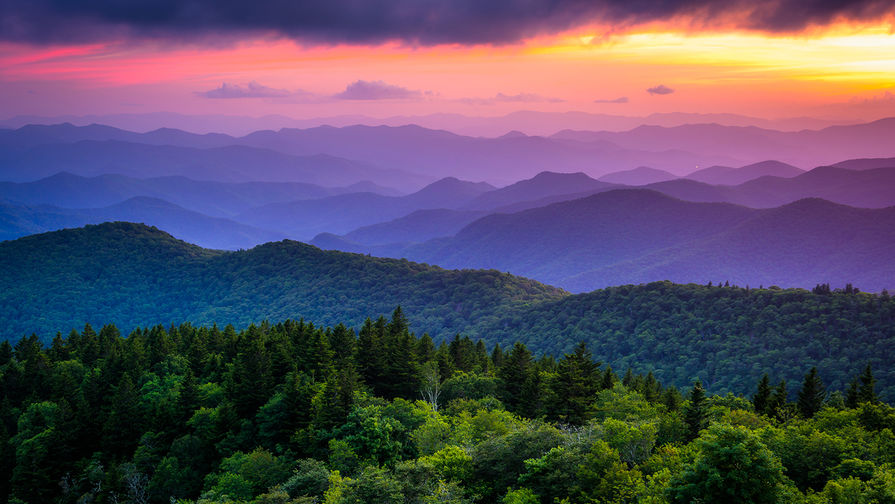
{"x": 772, "y": 59}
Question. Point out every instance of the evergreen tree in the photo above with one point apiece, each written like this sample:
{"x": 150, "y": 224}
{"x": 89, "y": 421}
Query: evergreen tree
{"x": 867, "y": 387}
{"x": 650, "y": 388}
{"x": 697, "y": 412}
{"x": 761, "y": 399}
{"x": 369, "y": 348}
{"x": 672, "y": 399}
{"x": 851, "y": 395}
{"x": 576, "y": 384}
{"x": 812, "y": 394}
{"x": 497, "y": 356}
{"x": 609, "y": 379}
{"x": 515, "y": 372}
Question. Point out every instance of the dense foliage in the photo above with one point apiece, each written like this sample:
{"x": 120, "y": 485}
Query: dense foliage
{"x": 295, "y": 413}
{"x": 132, "y": 275}
{"x": 723, "y": 335}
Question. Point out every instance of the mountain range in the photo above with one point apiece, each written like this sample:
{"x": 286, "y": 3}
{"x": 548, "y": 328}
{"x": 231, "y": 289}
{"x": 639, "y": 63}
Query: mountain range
{"x": 527, "y": 121}
{"x": 635, "y": 236}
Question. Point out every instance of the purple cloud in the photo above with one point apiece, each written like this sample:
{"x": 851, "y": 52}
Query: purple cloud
{"x": 661, "y": 89}
{"x": 620, "y": 99}
{"x": 250, "y": 90}
{"x": 377, "y": 90}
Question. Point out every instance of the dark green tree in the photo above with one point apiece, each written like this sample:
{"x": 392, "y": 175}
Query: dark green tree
{"x": 696, "y": 413}
{"x": 812, "y": 394}
{"x": 867, "y": 387}
{"x": 575, "y": 386}
{"x": 761, "y": 399}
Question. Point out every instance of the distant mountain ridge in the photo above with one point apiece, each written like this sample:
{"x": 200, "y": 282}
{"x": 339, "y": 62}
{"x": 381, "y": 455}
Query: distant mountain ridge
{"x": 633, "y": 236}
{"x": 209, "y": 232}
{"x": 725, "y": 175}
{"x": 529, "y": 122}
{"x": 304, "y": 219}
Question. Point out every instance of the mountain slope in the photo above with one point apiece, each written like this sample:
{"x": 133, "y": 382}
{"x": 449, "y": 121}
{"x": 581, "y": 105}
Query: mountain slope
{"x": 541, "y": 186}
{"x": 213, "y": 198}
{"x": 642, "y": 175}
{"x": 632, "y": 236}
{"x": 418, "y": 226}
{"x": 724, "y": 175}
{"x": 797, "y": 245}
{"x": 340, "y": 214}
{"x": 210, "y": 232}
{"x": 231, "y": 163}
{"x": 559, "y": 240}
{"x": 132, "y": 275}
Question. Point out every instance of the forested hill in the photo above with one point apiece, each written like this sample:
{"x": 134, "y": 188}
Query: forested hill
{"x": 134, "y": 275}
{"x": 722, "y": 335}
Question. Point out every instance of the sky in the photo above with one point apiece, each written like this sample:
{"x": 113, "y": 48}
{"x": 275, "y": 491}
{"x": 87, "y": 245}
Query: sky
{"x": 830, "y": 59}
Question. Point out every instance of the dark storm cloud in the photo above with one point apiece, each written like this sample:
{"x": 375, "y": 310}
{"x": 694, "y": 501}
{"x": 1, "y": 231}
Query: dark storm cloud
{"x": 661, "y": 89}
{"x": 411, "y": 21}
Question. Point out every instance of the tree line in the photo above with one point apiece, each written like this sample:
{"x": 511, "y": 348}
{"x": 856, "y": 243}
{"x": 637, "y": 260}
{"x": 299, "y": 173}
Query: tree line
{"x": 298, "y": 413}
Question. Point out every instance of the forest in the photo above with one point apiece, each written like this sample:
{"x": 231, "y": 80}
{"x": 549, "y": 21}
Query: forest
{"x": 295, "y": 412}
{"x": 132, "y": 275}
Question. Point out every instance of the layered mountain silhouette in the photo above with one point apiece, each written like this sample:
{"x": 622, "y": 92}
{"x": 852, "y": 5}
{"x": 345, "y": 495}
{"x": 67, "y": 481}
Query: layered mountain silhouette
{"x": 639, "y": 176}
{"x": 209, "y": 232}
{"x": 633, "y": 236}
{"x": 343, "y": 213}
{"x": 213, "y": 198}
{"x": 725, "y": 175}
{"x": 428, "y": 154}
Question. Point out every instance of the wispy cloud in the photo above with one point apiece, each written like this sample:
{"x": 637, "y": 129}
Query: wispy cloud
{"x": 378, "y": 90}
{"x": 661, "y": 89}
{"x": 250, "y": 90}
{"x": 620, "y": 99}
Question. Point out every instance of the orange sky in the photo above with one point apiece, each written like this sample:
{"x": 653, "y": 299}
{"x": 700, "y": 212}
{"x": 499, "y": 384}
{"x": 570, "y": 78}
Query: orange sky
{"x": 840, "y": 72}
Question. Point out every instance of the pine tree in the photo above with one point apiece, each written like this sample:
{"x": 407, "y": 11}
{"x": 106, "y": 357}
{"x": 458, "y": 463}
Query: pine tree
{"x": 672, "y": 399}
{"x": 609, "y": 379}
{"x": 497, "y": 356}
{"x": 576, "y": 385}
{"x": 761, "y": 399}
{"x": 812, "y": 394}
{"x": 515, "y": 372}
{"x": 651, "y": 388}
{"x": 851, "y": 395}
{"x": 867, "y": 387}
{"x": 696, "y": 413}
{"x": 778, "y": 404}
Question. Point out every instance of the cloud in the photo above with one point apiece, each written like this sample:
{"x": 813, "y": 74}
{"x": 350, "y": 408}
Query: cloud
{"x": 516, "y": 98}
{"x": 377, "y": 90}
{"x": 251, "y": 90}
{"x": 620, "y": 99}
{"x": 408, "y": 21}
{"x": 661, "y": 89}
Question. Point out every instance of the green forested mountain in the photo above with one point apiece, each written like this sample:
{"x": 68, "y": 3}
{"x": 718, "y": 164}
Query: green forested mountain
{"x": 722, "y": 335}
{"x": 131, "y": 275}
